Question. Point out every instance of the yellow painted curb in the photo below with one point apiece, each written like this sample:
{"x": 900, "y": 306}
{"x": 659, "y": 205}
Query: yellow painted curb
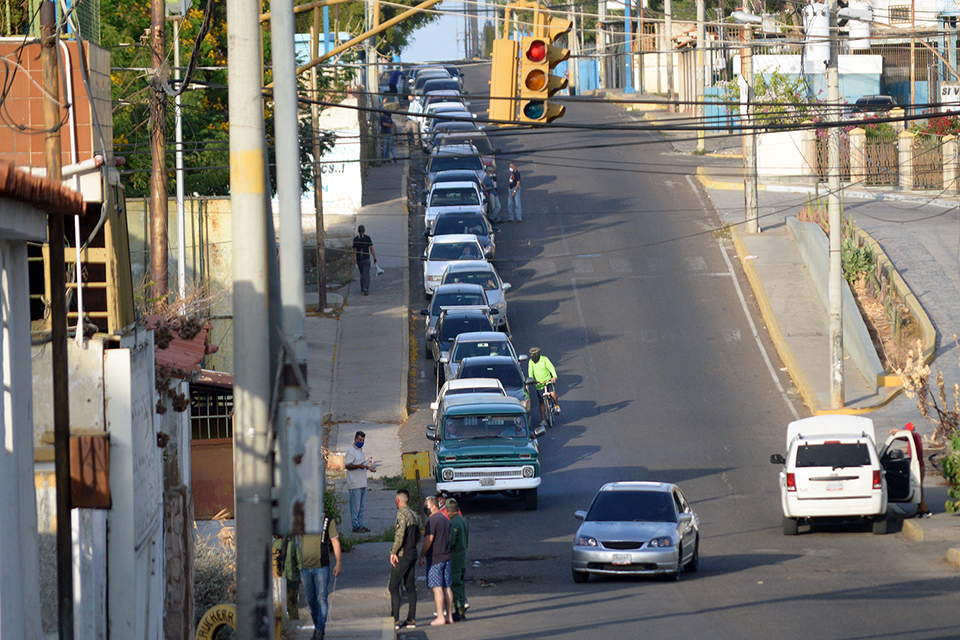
{"x": 953, "y": 557}
{"x": 773, "y": 327}
{"x": 912, "y": 531}
{"x": 710, "y": 183}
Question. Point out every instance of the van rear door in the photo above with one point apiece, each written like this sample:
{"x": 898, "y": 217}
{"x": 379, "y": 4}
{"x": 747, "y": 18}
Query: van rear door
{"x": 833, "y": 469}
{"x": 901, "y": 464}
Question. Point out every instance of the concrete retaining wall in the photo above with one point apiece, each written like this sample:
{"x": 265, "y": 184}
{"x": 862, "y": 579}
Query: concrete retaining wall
{"x": 814, "y": 249}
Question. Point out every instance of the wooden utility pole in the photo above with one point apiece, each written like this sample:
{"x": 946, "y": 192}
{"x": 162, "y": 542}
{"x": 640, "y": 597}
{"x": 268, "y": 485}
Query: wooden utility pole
{"x": 668, "y": 40}
{"x": 317, "y": 175}
{"x": 58, "y": 322}
{"x": 158, "y": 152}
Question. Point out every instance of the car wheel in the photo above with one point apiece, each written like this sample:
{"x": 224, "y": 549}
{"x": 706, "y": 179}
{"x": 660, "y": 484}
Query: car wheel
{"x": 694, "y": 563}
{"x": 580, "y": 576}
{"x": 880, "y": 525}
{"x": 790, "y": 526}
{"x": 530, "y": 499}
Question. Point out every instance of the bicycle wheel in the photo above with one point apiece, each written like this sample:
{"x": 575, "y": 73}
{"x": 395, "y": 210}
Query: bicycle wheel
{"x": 549, "y": 408}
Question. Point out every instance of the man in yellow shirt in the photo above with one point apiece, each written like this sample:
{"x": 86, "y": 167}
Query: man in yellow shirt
{"x": 544, "y": 375}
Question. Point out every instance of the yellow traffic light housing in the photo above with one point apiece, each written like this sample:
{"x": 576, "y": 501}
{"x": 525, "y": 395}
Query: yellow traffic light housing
{"x": 503, "y": 81}
{"x": 537, "y": 57}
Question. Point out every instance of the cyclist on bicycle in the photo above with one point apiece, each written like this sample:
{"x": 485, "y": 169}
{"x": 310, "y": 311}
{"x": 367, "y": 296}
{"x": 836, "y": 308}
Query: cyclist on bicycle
{"x": 544, "y": 376}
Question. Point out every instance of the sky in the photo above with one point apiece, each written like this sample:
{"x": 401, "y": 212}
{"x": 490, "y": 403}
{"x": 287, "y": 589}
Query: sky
{"x": 439, "y": 40}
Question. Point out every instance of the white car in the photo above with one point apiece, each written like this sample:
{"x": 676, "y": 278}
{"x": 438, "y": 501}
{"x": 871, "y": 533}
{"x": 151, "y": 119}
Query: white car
{"x": 832, "y": 470}
{"x": 483, "y": 273}
{"x": 488, "y": 386}
{"x": 444, "y": 250}
{"x": 460, "y": 197}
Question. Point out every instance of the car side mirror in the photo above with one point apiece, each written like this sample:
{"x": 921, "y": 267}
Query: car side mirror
{"x": 426, "y": 233}
{"x": 685, "y": 517}
{"x": 506, "y": 287}
{"x": 424, "y": 312}
{"x": 530, "y": 381}
{"x": 495, "y": 230}
{"x": 423, "y": 199}
{"x": 444, "y": 359}
{"x": 778, "y": 458}
{"x": 580, "y": 515}
{"x": 432, "y": 432}
{"x": 434, "y": 405}
{"x": 432, "y": 337}
{"x": 523, "y": 358}
{"x": 539, "y": 431}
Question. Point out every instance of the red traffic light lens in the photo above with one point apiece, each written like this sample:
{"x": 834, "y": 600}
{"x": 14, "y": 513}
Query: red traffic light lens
{"x": 534, "y": 109}
{"x": 536, "y": 80}
{"x": 537, "y": 51}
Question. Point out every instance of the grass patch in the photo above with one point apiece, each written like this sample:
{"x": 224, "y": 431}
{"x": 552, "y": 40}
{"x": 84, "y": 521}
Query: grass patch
{"x": 725, "y": 231}
{"x": 397, "y": 482}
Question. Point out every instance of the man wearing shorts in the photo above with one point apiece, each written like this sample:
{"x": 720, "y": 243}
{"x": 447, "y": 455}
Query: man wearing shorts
{"x": 436, "y": 553}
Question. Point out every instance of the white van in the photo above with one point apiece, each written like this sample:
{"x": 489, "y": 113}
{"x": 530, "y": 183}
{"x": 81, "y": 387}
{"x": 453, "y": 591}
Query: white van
{"x": 833, "y": 470}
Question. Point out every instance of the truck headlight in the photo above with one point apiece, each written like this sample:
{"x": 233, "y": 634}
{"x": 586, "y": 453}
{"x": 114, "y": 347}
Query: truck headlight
{"x": 447, "y": 474}
{"x": 528, "y": 472}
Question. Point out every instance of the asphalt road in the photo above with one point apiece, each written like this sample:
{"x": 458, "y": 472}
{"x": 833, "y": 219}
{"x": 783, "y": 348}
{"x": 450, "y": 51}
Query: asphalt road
{"x": 621, "y": 281}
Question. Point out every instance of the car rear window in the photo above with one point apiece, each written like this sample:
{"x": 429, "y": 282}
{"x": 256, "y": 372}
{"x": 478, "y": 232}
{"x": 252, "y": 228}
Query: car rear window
{"x": 833, "y": 454}
{"x": 455, "y": 225}
{"x": 455, "y": 251}
{"x": 453, "y": 197}
{"x": 457, "y": 300}
{"x": 441, "y": 85}
{"x": 632, "y": 506}
{"x": 506, "y": 373}
{"x": 446, "y": 163}
{"x": 484, "y": 348}
{"x": 484, "y": 278}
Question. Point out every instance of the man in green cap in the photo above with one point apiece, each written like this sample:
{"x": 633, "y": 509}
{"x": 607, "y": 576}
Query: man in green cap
{"x": 459, "y": 539}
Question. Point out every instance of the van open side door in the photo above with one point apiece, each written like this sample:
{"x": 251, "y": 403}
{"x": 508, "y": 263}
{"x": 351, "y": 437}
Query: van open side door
{"x": 901, "y": 466}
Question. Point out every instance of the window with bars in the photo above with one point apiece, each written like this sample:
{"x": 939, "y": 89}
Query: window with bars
{"x": 211, "y": 412}
{"x": 900, "y": 13}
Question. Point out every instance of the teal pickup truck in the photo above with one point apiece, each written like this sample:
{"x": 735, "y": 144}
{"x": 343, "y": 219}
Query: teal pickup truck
{"x": 484, "y": 444}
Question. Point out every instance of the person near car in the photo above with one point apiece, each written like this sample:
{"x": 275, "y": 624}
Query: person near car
{"x": 362, "y": 252}
{"x": 388, "y": 149}
{"x": 403, "y": 561}
{"x": 315, "y": 571}
{"x": 459, "y": 539}
{"x": 923, "y": 511}
{"x": 491, "y": 194}
{"x": 514, "y": 211}
{"x": 544, "y": 376}
{"x": 357, "y": 466}
{"x": 436, "y": 553}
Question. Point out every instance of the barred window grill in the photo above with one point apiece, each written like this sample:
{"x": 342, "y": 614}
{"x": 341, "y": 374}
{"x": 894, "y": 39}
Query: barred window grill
{"x": 881, "y": 162}
{"x": 211, "y": 412}
{"x": 823, "y": 156}
{"x": 900, "y": 13}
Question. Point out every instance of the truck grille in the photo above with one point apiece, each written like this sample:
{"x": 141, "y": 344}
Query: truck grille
{"x": 476, "y": 474}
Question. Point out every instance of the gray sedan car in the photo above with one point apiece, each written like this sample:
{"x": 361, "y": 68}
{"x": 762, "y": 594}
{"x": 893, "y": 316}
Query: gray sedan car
{"x": 639, "y": 529}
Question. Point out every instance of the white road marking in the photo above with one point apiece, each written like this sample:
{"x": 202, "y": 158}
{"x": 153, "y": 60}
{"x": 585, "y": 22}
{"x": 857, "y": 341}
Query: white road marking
{"x": 581, "y": 266}
{"x": 620, "y": 265}
{"x": 696, "y": 263}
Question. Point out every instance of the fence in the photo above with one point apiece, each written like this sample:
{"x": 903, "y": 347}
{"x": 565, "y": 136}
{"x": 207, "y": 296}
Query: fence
{"x": 928, "y": 162}
{"x": 882, "y": 165}
{"x": 823, "y": 156}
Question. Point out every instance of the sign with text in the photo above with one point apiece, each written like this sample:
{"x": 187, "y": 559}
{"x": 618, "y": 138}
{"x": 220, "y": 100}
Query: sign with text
{"x": 949, "y": 97}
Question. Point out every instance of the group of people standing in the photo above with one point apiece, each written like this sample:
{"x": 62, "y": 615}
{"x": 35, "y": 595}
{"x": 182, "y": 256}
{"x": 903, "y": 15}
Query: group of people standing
{"x": 492, "y": 193}
{"x": 443, "y": 551}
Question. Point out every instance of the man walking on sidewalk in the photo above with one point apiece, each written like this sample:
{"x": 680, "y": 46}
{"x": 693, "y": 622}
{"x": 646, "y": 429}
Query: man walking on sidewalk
{"x": 315, "y": 572}
{"x": 436, "y": 552}
{"x": 357, "y": 466}
{"x": 514, "y": 210}
{"x": 362, "y": 250}
{"x": 491, "y": 193}
{"x": 403, "y": 561}
{"x": 459, "y": 539}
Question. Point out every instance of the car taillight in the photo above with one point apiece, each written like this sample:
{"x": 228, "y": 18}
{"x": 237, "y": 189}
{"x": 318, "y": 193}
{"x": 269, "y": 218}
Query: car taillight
{"x": 876, "y": 480}
{"x": 791, "y": 482}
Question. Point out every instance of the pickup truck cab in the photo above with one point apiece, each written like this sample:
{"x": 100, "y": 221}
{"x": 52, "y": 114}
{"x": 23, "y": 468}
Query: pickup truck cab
{"x": 834, "y": 470}
{"x": 485, "y": 444}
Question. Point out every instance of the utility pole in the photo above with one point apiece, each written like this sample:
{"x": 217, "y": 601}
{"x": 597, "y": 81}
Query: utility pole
{"x": 58, "y": 322}
{"x": 252, "y": 431}
{"x": 317, "y": 174}
{"x": 158, "y": 152}
{"x": 701, "y": 37}
{"x": 668, "y": 40}
{"x": 602, "y": 43}
{"x": 178, "y": 163}
{"x": 627, "y": 49}
{"x": 750, "y": 136}
{"x": 833, "y": 213}
{"x": 913, "y": 55}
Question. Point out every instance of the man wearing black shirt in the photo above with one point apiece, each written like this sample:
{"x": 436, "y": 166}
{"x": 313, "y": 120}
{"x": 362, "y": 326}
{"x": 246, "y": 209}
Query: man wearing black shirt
{"x": 514, "y": 211}
{"x": 362, "y": 250}
{"x": 436, "y": 552}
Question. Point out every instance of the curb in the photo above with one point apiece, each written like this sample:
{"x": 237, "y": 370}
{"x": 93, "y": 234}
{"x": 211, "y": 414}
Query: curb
{"x": 953, "y": 557}
{"x": 405, "y": 366}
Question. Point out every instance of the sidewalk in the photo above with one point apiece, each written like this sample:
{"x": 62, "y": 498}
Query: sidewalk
{"x": 357, "y": 366}
{"x": 918, "y": 232}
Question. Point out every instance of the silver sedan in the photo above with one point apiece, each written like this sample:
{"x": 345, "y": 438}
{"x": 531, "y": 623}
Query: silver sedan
{"x": 639, "y": 529}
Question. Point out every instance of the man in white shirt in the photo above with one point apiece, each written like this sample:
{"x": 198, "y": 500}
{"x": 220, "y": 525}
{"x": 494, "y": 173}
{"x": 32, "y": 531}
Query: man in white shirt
{"x": 357, "y": 466}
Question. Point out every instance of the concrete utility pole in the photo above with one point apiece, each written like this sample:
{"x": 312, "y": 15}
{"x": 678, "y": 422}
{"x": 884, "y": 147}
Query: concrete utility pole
{"x": 837, "y": 398}
{"x": 251, "y": 324}
{"x": 601, "y": 43}
{"x": 750, "y": 136}
{"x": 627, "y": 49}
{"x": 668, "y": 41}
{"x": 317, "y": 174}
{"x": 178, "y": 163}
{"x": 58, "y": 323}
{"x": 158, "y": 152}
{"x": 701, "y": 40}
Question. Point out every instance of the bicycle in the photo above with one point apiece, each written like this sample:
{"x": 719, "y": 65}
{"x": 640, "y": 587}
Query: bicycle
{"x": 549, "y": 405}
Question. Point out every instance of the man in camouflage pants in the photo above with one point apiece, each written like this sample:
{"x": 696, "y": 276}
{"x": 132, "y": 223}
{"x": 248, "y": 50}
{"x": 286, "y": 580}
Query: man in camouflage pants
{"x": 403, "y": 561}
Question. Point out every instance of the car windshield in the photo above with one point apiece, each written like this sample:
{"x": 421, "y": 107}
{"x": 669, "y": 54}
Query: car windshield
{"x": 632, "y": 506}
{"x": 452, "y": 225}
{"x": 453, "y": 197}
{"x": 455, "y": 251}
{"x": 480, "y": 141}
{"x": 452, "y": 327}
{"x": 507, "y": 373}
{"x": 484, "y": 278}
{"x": 447, "y": 127}
{"x": 833, "y": 454}
{"x": 495, "y": 426}
{"x": 441, "y": 85}
{"x": 479, "y": 348}
{"x": 456, "y": 299}
{"x": 445, "y": 163}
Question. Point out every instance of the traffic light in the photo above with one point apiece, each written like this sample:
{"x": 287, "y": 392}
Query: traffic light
{"x": 503, "y": 81}
{"x": 537, "y": 58}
